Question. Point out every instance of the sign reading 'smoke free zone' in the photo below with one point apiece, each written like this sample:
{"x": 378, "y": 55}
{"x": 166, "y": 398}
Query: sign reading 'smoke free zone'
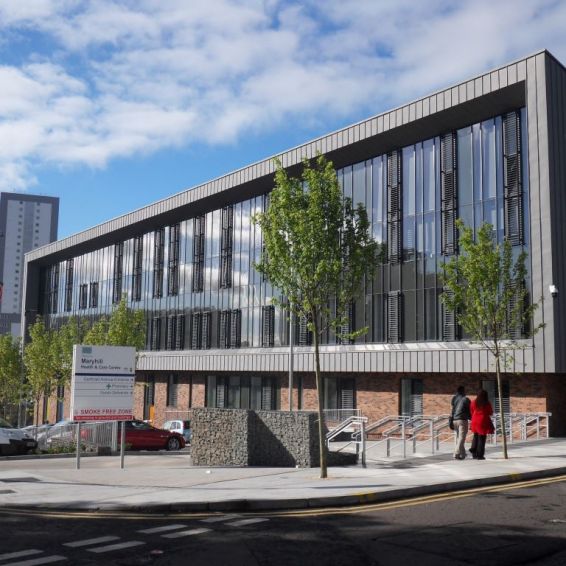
{"x": 102, "y": 386}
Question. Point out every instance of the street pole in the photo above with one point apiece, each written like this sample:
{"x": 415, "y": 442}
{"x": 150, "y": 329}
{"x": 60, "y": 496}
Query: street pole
{"x": 291, "y": 356}
{"x": 122, "y": 444}
{"x": 78, "y": 429}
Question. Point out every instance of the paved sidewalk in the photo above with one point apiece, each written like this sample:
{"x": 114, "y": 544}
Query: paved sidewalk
{"x": 167, "y": 482}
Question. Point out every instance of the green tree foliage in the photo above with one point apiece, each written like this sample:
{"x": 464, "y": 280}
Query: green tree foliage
{"x": 10, "y": 371}
{"x": 124, "y": 327}
{"x": 40, "y": 361}
{"x": 485, "y": 288}
{"x": 317, "y": 251}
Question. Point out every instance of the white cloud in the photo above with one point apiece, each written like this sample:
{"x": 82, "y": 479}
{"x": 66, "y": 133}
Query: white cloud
{"x": 122, "y": 77}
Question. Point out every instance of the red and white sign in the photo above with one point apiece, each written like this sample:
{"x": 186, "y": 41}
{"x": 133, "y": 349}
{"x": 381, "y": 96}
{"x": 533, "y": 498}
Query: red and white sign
{"x": 102, "y": 386}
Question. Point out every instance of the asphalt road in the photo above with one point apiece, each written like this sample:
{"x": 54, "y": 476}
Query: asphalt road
{"x": 519, "y": 524}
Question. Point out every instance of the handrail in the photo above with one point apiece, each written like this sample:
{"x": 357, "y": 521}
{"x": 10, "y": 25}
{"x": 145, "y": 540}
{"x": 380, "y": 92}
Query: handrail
{"x": 344, "y": 425}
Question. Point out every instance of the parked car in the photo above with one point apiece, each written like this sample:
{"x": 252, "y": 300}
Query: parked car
{"x": 14, "y": 440}
{"x": 143, "y": 436}
{"x": 180, "y": 426}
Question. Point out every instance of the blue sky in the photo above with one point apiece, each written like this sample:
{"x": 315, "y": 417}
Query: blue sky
{"x": 113, "y": 104}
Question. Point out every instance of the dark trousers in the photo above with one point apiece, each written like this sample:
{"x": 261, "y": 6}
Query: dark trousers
{"x": 478, "y": 445}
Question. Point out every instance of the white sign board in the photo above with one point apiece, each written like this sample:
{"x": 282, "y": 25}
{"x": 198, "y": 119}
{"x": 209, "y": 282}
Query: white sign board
{"x": 102, "y": 386}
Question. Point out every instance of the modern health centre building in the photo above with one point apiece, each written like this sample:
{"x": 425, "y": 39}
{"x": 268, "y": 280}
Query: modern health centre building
{"x": 492, "y": 148}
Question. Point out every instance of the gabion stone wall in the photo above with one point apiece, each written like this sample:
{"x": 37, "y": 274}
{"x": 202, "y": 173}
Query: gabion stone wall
{"x": 239, "y": 437}
{"x": 220, "y": 437}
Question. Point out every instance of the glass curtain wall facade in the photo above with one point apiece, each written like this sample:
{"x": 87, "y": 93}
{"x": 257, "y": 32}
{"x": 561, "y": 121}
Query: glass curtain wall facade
{"x": 196, "y": 282}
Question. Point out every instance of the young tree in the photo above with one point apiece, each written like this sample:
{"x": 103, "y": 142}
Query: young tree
{"x": 485, "y": 288}
{"x": 40, "y": 362}
{"x": 10, "y": 371}
{"x": 317, "y": 249}
{"x": 124, "y": 327}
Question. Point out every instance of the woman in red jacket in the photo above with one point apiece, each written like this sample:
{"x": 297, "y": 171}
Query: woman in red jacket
{"x": 481, "y": 424}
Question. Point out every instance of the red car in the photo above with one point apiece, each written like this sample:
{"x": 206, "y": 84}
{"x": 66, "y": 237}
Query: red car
{"x": 143, "y": 436}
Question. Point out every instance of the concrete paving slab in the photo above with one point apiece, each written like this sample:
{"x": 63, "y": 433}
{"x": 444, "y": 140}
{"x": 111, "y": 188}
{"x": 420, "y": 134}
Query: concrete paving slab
{"x": 169, "y": 482}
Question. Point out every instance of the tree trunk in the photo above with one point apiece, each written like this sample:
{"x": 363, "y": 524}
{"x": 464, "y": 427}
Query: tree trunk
{"x": 501, "y": 411}
{"x": 321, "y": 427}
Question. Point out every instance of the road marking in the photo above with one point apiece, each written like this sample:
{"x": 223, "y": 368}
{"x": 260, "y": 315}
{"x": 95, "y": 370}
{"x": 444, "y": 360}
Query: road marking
{"x": 244, "y": 522}
{"x": 20, "y": 554}
{"x": 161, "y": 529}
{"x": 186, "y": 533}
{"x": 219, "y": 519}
{"x": 87, "y": 542}
{"x": 38, "y": 561}
{"x": 119, "y": 546}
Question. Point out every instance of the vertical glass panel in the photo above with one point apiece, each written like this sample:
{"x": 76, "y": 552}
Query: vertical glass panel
{"x": 330, "y": 393}
{"x": 488, "y": 161}
{"x": 430, "y": 314}
{"x": 348, "y": 182}
{"x": 465, "y": 169}
{"x": 476, "y": 146}
{"x": 359, "y": 192}
{"x": 419, "y": 177}
{"x": 409, "y": 316}
{"x": 244, "y": 392}
{"x": 234, "y": 392}
{"x": 211, "y": 391}
{"x": 409, "y": 243}
{"x": 408, "y": 181}
{"x": 428, "y": 175}
{"x": 255, "y": 393}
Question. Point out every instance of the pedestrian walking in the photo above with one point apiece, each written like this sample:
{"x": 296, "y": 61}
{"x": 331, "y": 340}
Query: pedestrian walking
{"x": 481, "y": 424}
{"x": 460, "y": 416}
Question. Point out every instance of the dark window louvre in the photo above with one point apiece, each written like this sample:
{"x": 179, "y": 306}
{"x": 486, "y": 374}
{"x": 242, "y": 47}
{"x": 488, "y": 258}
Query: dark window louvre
{"x": 196, "y": 330}
{"x": 93, "y": 295}
{"x": 199, "y": 227}
{"x": 53, "y": 289}
{"x": 235, "y": 328}
{"x": 171, "y": 332}
{"x": 118, "y": 264}
{"x": 173, "y": 261}
{"x": 267, "y": 396}
{"x": 226, "y": 242}
{"x": 155, "y": 334}
{"x": 346, "y": 394}
{"x": 224, "y": 329}
{"x": 83, "y": 296}
{"x": 347, "y": 326}
{"x": 303, "y": 334}
{"x": 449, "y": 324}
{"x": 206, "y": 330}
{"x": 180, "y": 332}
{"x": 137, "y": 271}
{"x": 69, "y": 285}
{"x": 394, "y": 207}
{"x": 394, "y": 317}
{"x": 220, "y": 393}
{"x": 172, "y": 390}
{"x": 449, "y": 193}
{"x": 512, "y": 183}
{"x": 516, "y": 331}
{"x": 267, "y": 326}
{"x": 158, "y": 262}
{"x": 491, "y": 387}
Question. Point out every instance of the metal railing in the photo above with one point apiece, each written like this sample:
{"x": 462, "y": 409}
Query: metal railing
{"x": 64, "y": 435}
{"x": 397, "y": 434}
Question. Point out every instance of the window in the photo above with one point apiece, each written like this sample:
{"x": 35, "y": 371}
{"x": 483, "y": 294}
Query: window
{"x": 118, "y": 265}
{"x": 83, "y": 296}
{"x": 93, "y": 295}
{"x": 175, "y": 339}
{"x": 339, "y": 393}
{"x": 229, "y": 328}
{"x": 172, "y": 387}
{"x": 158, "y": 262}
{"x": 449, "y": 193}
{"x": 303, "y": 336}
{"x": 149, "y": 398}
{"x": 173, "y": 261}
{"x": 449, "y": 325}
{"x": 226, "y": 247}
{"x": 490, "y": 385}
{"x": 513, "y": 190}
{"x": 394, "y": 317}
{"x": 69, "y": 285}
{"x": 243, "y": 392}
{"x": 411, "y": 398}
{"x": 394, "y": 207}
{"x": 200, "y": 330}
{"x": 267, "y": 326}
{"x": 199, "y": 227}
{"x": 347, "y": 325}
{"x": 59, "y": 409}
{"x": 53, "y": 286}
{"x": 137, "y": 268}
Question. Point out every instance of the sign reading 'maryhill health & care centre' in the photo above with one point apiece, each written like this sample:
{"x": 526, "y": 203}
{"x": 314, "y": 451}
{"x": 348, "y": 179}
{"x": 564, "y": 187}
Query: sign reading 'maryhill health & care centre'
{"x": 102, "y": 386}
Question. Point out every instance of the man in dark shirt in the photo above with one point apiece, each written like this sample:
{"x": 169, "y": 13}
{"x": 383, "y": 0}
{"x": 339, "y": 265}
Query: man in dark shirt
{"x": 461, "y": 416}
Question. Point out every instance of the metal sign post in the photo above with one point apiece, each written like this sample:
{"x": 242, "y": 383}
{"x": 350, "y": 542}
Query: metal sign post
{"x": 122, "y": 444}
{"x": 79, "y": 446}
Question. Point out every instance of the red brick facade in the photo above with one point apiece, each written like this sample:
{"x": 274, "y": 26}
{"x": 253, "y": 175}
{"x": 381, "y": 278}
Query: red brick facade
{"x": 377, "y": 395}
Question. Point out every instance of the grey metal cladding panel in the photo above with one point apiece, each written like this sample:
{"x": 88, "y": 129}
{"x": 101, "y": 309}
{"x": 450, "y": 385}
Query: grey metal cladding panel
{"x": 426, "y": 107}
{"x": 556, "y": 113}
{"x": 512, "y": 70}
